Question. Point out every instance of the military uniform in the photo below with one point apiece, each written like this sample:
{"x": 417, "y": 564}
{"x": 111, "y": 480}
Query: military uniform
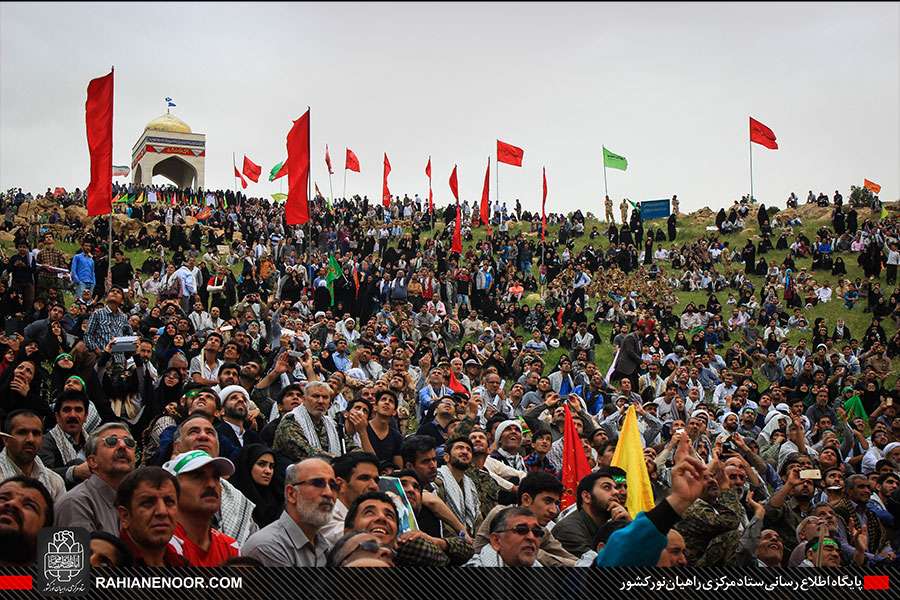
{"x": 292, "y": 443}
{"x": 610, "y": 213}
{"x": 711, "y": 532}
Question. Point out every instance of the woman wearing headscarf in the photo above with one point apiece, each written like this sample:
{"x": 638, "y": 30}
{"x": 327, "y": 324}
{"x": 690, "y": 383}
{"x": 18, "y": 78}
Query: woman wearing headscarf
{"x": 254, "y": 476}
{"x": 22, "y": 388}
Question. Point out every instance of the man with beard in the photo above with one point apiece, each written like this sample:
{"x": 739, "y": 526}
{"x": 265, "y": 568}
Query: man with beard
{"x": 63, "y": 448}
{"x": 232, "y": 433}
{"x": 307, "y": 431}
{"x": 24, "y": 436}
{"x": 710, "y": 525}
{"x": 791, "y": 504}
{"x": 508, "y": 436}
{"x": 25, "y": 508}
{"x": 457, "y": 489}
{"x": 854, "y": 512}
{"x": 598, "y": 500}
{"x": 357, "y": 474}
{"x": 487, "y": 485}
{"x": 200, "y": 499}
{"x": 294, "y": 540}
{"x": 91, "y": 504}
{"x": 147, "y": 502}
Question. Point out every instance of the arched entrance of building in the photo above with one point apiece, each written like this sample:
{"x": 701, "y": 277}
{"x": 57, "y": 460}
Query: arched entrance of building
{"x": 177, "y": 170}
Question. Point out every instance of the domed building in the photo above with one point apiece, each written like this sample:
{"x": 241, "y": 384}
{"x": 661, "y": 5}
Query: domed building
{"x": 169, "y": 147}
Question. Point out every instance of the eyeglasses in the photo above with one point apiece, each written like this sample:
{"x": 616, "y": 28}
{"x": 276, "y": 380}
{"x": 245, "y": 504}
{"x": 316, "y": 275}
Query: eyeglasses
{"x": 524, "y": 529}
{"x": 113, "y": 440}
{"x": 321, "y": 483}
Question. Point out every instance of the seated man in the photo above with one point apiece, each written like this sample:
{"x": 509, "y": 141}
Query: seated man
{"x": 515, "y": 535}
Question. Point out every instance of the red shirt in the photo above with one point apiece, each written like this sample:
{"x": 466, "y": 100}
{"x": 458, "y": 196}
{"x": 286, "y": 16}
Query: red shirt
{"x": 221, "y": 548}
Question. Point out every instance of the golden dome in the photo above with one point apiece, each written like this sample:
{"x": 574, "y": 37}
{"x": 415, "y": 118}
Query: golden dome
{"x": 168, "y": 122}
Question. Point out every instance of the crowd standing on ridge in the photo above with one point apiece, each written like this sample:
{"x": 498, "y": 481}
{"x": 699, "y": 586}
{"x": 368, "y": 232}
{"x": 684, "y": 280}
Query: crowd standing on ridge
{"x": 247, "y": 392}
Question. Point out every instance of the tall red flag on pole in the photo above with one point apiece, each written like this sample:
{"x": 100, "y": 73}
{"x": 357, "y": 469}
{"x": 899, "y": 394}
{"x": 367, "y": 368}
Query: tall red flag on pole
{"x": 762, "y": 135}
{"x": 456, "y": 243}
{"x": 296, "y": 209}
{"x": 574, "y": 463}
{"x": 509, "y": 154}
{"x": 351, "y": 163}
{"x": 430, "y": 195}
{"x": 238, "y": 174}
{"x": 99, "y": 124}
{"x": 251, "y": 170}
{"x": 485, "y": 191}
{"x": 385, "y": 192}
{"x": 328, "y": 161}
{"x": 543, "y": 204}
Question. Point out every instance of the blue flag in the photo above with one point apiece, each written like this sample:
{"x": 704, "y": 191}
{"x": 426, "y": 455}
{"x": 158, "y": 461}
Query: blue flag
{"x": 169, "y": 102}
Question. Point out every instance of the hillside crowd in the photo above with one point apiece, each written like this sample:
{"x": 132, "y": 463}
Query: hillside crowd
{"x": 252, "y": 393}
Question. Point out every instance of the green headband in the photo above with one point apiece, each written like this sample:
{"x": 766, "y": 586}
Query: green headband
{"x": 64, "y": 355}
{"x": 80, "y": 380}
{"x": 619, "y": 479}
{"x": 813, "y": 545}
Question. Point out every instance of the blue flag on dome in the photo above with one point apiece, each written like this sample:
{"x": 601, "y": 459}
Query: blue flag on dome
{"x": 169, "y": 102}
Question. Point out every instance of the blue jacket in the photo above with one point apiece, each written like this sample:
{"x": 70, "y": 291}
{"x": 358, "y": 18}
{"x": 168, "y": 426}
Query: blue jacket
{"x": 639, "y": 543}
{"x": 83, "y": 269}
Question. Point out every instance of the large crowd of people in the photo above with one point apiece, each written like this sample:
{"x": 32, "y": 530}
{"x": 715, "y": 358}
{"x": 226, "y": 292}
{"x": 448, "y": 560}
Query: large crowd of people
{"x": 247, "y": 392}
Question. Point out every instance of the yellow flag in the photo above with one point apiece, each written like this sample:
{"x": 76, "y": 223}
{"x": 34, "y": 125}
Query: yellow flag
{"x": 629, "y": 456}
{"x": 884, "y": 213}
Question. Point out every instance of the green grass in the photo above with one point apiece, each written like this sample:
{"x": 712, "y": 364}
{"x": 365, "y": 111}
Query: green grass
{"x": 689, "y": 229}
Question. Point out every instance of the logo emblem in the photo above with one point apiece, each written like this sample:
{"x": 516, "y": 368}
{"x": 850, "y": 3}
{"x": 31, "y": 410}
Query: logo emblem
{"x": 63, "y": 562}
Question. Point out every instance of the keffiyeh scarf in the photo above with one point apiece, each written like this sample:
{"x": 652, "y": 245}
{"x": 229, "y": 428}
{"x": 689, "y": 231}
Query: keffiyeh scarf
{"x": 463, "y": 501}
{"x": 304, "y": 420}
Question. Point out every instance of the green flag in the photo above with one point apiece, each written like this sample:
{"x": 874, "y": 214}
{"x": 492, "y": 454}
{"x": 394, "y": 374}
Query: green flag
{"x": 334, "y": 272}
{"x": 854, "y": 408}
{"x": 614, "y": 161}
{"x": 279, "y": 197}
{"x": 275, "y": 173}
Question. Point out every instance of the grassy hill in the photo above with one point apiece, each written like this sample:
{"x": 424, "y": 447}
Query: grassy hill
{"x": 692, "y": 227}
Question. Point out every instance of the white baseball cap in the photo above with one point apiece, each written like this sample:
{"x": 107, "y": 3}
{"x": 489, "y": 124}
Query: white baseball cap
{"x": 197, "y": 459}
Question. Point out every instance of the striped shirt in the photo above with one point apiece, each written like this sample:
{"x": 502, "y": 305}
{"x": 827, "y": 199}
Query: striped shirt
{"x": 104, "y": 325}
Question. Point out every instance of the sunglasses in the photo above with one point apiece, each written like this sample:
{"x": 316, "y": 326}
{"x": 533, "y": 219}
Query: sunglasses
{"x": 113, "y": 440}
{"x": 524, "y": 529}
{"x": 321, "y": 483}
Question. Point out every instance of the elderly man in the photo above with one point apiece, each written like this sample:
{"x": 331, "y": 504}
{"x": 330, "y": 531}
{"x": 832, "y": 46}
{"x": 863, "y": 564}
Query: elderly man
{"x": 199, "y": 479}
{"x": 91, "y": 504}
{"x": 25, "y": 508}
{"x": 515, "y": 537}
{"x": 63, "y": 447}
{"x": 107, "y": 323}
{"x": 294, "y": 540}
{"x": 147, "y": 503}
{"x": 24, "y": 437}
{"x": 307, "y": 431}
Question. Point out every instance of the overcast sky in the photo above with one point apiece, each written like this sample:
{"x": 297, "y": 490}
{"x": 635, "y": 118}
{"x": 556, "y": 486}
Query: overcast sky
{"x": 669, "y": 86}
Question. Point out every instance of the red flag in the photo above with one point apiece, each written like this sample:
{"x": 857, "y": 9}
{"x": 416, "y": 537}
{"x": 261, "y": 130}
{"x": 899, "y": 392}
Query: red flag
{"x": 543, "y": 203}
{"x": 762, "y": 135}
{"x": 457, "y": 386}
{"x": 456, "y": 245}
{"x": 485, "y": 192}
{"x": 430, "y": 195}
{"x": 871, "y": 186}
{"x": 281, "y": 172}
{"x": 509, "y": 154}
{"x": 385, "y": 192}
{"x": 59, "y": 192}
{"x": 574, "y": 463}
{"x": 98, "y": 116}
{"x": 328, "y": 161}
{"x": 251, "y": 170}
{"x": 454, "y": 186}
{"x": 296, "y": 209}
{"x": 204, "y": 214}
{"x": 351, "y": 162}
{"x": 238, "y": 174}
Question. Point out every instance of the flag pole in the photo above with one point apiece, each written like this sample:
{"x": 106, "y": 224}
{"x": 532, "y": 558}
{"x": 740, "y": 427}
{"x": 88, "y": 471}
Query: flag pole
{"x": 111, "y": 207}
{"x": 345, "y": 179}
{"x": 751, "y": 171}
{"x": 330, "y": 188}
{"x": 234, "y": 172}
{"x": 605, "y": 186}
{"x": 308, "y": 179}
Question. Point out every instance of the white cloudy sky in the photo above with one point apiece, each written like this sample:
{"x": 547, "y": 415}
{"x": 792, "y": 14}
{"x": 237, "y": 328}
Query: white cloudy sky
{"x": 669, "y": 86}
